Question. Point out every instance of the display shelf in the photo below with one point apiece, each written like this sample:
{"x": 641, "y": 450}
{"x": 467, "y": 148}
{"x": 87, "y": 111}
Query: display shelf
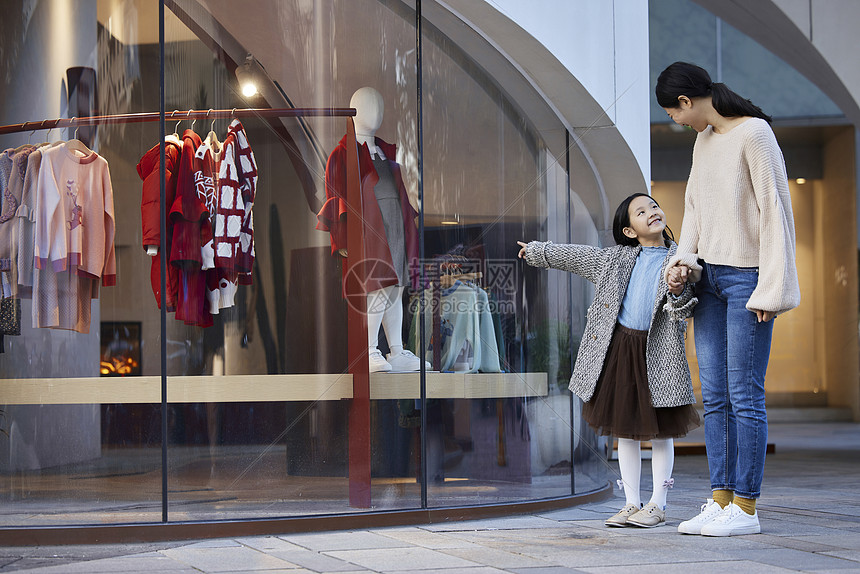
{"x": 266, "y": 388}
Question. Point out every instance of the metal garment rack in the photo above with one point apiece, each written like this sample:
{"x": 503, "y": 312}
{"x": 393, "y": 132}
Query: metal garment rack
{"x": 177, "y": 115}
{"x": 359, "y": 411}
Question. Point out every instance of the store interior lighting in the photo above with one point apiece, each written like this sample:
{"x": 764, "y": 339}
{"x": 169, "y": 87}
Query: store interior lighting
{"x": 249, "y": 74}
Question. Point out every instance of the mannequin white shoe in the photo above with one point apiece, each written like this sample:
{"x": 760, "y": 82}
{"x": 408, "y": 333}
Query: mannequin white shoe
{"x": 377, "y": 362}
{"x": 406, "y": 361}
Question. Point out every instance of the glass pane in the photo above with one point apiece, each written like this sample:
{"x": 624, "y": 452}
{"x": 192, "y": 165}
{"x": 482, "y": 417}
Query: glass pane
{"x": 501, "y": 332}
{"x": 265, "y": 420}
{"x": 81, "y": 427}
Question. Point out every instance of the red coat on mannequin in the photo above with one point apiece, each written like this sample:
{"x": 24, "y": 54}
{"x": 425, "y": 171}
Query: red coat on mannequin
{"x": 332, "y": 216}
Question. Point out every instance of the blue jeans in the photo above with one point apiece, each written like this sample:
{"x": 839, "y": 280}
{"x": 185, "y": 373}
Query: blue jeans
{"x": 732, "y": 348}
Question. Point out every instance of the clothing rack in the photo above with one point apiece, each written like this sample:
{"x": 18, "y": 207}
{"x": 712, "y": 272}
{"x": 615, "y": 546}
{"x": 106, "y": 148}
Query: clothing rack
{"x": 176, "y": 115}
{"x": 444, "y": 272}
{"x": 359, "y": 415}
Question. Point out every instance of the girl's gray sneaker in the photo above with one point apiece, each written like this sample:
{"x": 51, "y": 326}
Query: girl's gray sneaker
{"x": 649, "y": 517}
{"x": 620, "y": 518}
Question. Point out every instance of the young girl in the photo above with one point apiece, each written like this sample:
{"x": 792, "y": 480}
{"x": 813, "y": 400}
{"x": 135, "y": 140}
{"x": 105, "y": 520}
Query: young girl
{"x": 739, "y": 225}
{"x": 631, "y": 369}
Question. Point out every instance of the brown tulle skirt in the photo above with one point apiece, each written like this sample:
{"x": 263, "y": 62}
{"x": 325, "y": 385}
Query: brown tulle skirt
{"x": 621, "y": 403}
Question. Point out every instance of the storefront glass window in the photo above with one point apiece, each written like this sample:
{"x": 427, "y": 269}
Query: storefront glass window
{"x": 291, "y": 344}
{"x": 80, "y": 425}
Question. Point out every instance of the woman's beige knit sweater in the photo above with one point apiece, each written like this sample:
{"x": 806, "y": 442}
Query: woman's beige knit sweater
{"x": 737, "y": 211}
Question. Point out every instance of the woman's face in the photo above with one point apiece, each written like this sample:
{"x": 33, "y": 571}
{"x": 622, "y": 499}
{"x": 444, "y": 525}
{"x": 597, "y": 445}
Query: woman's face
{"x": 689, "y": 113}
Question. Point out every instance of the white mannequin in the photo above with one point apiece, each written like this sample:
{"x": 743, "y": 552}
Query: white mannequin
{"x": 369, "y": 109}
{"x": 384, "y": 306}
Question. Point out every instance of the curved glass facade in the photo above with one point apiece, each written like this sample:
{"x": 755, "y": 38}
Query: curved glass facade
{"x": 202, "y": 347}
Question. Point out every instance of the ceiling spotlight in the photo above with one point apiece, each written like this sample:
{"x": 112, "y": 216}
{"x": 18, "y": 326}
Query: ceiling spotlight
{"x": 249, "y": 89}
{"x": 248, "y": 77}
{"x": 801, "y": 180}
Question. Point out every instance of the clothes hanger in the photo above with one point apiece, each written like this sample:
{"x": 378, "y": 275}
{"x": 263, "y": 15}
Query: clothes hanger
{"x": 212, "y": 138}
{"x": 176, "y": 127}
{"x": 174, "y": 137}
{"x": 48, "y": 141}
{"x": 75, "y": 144}
{"x": 193, "y": 121}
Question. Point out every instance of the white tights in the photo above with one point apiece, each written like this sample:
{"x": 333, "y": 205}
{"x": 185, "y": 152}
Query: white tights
{"x": 630, "y": 464}
{"x": 384, "y": 309}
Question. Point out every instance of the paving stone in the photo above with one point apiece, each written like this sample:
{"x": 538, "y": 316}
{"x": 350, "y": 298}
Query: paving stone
{"x": 314, "y": 560}
{"x": 124, "y": 564}
{"x": 266, "y": 543}
{"x": 806, "y": 545}
{"x": 721, "y": 567}
{"x": 384, "y": 560}
{"x": 421, "y": 537}
{"x": 837, "y": 538}
{"x": 853, "y": 555}
{"x": 495, "y": 557}
{"x": 227, "y": 559}
{"x": 578, "y": 513}
{"x": 494, "y": 524}
{"x": 214, "y": 543}
{"x": 543, "y": 570}
{"x": 350, "y": 540}
{"x": 794, "y": 559}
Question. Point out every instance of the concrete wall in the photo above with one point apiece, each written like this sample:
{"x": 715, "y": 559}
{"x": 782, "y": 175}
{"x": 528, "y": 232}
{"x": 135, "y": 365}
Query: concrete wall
{"x": 836, "y": 274}
{"x": 604, "y": 45}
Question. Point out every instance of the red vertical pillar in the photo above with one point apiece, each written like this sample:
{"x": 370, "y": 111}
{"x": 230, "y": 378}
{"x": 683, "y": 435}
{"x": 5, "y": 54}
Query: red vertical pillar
{"x": 359, "y": 410}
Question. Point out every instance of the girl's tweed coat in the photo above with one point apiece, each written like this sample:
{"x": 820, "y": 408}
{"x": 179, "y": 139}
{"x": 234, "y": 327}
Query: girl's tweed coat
{"x": 610, "y": 269}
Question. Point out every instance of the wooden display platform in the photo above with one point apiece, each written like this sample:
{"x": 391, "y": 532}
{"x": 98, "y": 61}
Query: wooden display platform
{"x": 266, "y": 388}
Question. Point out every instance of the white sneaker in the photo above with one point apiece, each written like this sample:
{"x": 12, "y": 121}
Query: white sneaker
{"x": 732, "y": 521}
{"x": 377, "y": 362}
{"x": 406, "y": 361}
{"x": 710, "y": 510}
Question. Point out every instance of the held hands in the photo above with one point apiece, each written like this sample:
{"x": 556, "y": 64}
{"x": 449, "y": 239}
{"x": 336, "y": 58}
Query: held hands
{"x": 676, "y": 278}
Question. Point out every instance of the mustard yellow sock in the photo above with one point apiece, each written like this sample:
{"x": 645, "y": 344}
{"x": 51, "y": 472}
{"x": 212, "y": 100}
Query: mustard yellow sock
{"x": 723, "y": 497}
{"x": 746, "y": 504}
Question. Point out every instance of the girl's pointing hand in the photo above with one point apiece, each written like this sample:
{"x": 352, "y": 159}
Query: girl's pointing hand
{"x": 522, "y": 252}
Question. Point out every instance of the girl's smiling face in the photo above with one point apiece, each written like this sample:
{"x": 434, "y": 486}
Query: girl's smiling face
{"x": 647, "y": 221}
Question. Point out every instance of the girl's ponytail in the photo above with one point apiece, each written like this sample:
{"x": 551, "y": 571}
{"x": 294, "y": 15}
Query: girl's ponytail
{"x": 683, "y": 79}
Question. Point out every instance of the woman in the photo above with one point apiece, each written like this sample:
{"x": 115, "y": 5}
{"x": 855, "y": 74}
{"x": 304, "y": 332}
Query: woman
{"x": 738, "y": 225}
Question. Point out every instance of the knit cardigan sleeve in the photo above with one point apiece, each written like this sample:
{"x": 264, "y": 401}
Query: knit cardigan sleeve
{"x": 778, "y": 288}
{"x": 584, "y": 260}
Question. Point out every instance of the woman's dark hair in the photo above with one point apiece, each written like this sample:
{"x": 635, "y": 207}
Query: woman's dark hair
{"x": 683, "y": 79}
{"x": 622, "y": 220}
